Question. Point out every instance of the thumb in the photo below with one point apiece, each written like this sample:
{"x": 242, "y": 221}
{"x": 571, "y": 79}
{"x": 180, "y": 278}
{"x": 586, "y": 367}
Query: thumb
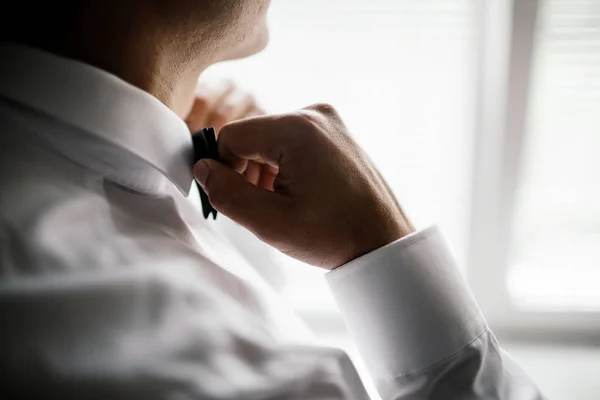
{"x": 232, "y": 195}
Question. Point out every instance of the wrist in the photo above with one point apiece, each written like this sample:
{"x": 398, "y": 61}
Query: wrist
{"x": 379, "y": 235}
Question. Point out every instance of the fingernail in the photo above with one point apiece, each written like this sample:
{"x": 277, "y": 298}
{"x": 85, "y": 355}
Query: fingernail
{"x": 201, "y": 171}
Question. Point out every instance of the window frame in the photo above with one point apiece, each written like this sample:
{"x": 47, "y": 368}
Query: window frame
{"x": 508, "y": 28}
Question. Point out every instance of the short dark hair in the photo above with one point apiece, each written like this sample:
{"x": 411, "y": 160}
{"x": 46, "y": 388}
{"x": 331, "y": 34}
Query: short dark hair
{"x": 45, "y": 24}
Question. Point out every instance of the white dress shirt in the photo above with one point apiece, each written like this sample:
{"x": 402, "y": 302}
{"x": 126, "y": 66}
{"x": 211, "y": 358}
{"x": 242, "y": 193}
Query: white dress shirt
{"x": 114, "y": 286}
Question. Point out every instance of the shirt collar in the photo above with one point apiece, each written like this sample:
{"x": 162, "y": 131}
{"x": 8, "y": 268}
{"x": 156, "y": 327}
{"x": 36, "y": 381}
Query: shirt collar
{"x": 100, "y": 104}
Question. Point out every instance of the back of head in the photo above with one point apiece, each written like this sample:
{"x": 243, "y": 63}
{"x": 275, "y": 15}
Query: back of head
{"x": 160, "y": 46}
{"x": 45, "y": 24}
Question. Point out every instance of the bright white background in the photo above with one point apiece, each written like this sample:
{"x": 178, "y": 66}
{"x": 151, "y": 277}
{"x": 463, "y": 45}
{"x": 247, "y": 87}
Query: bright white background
{"x": 400, "y": 74}
{"x": 484, "y": 116}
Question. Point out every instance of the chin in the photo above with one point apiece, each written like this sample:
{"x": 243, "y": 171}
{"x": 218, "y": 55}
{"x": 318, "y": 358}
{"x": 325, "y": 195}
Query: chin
{"x": 254, "y": 43}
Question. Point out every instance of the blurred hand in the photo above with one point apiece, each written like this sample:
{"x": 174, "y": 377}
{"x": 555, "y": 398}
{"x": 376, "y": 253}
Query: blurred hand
{"x": 218, "y": 103}
{"x": 324, "y": 202}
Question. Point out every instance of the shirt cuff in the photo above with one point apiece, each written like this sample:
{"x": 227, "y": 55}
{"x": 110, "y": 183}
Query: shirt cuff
{"x": 406, "y": 305}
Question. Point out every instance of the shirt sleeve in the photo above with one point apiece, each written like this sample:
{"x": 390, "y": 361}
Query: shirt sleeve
{"x": 418, "y": 327}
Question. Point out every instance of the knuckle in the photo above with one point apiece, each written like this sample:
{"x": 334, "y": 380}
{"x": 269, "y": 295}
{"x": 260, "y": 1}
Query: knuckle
{"x": 250, "y": 100}
{"x": 252, "y": 108}
{"x": 321, "y": 114}
{"x": 306, "y": 130}
{"x": 257, "y": 111}
{"x": 219, "y": 118}
{"x": 299, "y": 119}
{"x": 305, "y": 122}
{"x": 201, "y": 103}
{"x": 323, "y": 108}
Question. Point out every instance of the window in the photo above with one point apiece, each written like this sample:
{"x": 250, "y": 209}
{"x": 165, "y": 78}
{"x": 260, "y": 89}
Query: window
{"x": 400, "y": 74}
{"x": 463, "y": 105}
{"x": 532, "y": 257}
{"x": 557, "y": 224}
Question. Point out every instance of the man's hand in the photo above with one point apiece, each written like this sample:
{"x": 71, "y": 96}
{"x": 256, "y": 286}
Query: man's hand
{"x": 325, "y": 204}
{"x": 218, "y": 103}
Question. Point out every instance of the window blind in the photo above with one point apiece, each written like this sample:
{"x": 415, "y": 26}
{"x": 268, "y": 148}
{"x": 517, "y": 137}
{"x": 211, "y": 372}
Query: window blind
{"x": 556, "y": 251}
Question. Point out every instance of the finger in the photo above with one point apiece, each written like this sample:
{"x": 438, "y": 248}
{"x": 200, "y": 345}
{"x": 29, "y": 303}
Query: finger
{"x": 241, "y": 165}
{"x": 252, "y": 172}
{"x": 255, "y": 112}
{"x": 207, "y": 98}
{"x": 219, "y": 98}
{"x": 198, "y": 116}
{"x": 238, "y": 199}
{"x": 234, "y": 107}
{"x": 214, "y": 91}
{"x": 266, "y": 138}
{"x": 268, "y": 175}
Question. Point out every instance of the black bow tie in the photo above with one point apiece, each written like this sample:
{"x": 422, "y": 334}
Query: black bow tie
{"x": 205, "y": 146}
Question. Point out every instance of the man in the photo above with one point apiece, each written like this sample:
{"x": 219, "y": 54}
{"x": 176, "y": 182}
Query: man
{"x": 114, "y": 286}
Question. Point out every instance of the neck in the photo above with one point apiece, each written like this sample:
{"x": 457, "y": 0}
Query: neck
{"x": 136, "y": 50}
{"x": 157, "y": 71}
